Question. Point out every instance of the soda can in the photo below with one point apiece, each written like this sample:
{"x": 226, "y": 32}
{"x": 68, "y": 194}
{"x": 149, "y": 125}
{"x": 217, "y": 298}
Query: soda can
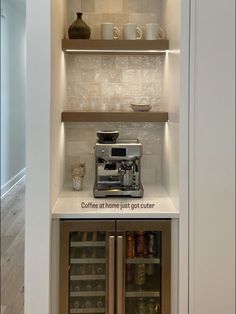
{"x": 95, "y": 236}
{"x": 150, "y": 269}
{"x": 129, "y": 273}
{"x": 141, "y": 307}
{"x": 140, "y": 244}
{"x": 140, "y": 274}
{"x": 84, "y": 236}
{"x": 152, "y": 307}
{"x": 151, "y": 248}
{"x": 130, "y": 245}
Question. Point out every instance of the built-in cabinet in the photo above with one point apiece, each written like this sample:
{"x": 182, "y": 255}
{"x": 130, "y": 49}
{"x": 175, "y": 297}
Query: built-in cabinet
{"x": 115, "y": 266}
{"x": 197, "y": 181}
{"x": 99, "y": 80}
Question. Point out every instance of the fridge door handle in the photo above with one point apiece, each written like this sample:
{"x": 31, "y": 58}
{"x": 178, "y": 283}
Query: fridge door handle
{"x": 120, "y": 275}
{"x": 111, "y": 275}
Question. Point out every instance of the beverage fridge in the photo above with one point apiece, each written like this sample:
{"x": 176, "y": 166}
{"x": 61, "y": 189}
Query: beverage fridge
{"x": 115, "y": 266}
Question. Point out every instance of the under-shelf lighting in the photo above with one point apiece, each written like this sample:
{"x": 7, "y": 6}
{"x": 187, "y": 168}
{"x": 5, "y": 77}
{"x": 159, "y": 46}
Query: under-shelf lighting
{"x": 114, "y": 51}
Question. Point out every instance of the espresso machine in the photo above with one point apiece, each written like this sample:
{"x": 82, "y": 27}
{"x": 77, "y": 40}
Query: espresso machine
{"x": 117, "y": 166}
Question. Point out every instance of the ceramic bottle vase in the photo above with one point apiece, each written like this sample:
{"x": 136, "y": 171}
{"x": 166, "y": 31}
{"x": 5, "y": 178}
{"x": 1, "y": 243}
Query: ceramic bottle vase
{"x": 79, "y": 29}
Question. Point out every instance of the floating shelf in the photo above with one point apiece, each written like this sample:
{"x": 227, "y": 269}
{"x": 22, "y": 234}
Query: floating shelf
{"x": 115, "y": 46}
{"x": 151, "y": 116}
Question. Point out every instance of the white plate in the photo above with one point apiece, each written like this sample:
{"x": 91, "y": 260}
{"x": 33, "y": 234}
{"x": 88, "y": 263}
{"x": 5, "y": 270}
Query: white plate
{"x": 141, "y": 107}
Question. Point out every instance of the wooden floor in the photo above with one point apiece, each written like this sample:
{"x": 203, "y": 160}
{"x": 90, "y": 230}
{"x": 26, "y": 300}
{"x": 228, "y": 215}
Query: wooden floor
{"x": 12, "y": 250}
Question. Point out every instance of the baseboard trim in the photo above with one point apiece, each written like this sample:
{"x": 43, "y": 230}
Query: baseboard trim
{"x": 6, "y": 188}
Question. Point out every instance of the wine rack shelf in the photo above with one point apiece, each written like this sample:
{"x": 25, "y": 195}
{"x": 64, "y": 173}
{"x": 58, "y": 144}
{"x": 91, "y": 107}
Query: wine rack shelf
{"x": 88, "y": 244}
{"x": 87, "y": 311}
{"x": 87, "y": 277}
{"x": 142, "y": 261}
{"x": 88, "y": 294}
{"x": 142, "y": 294}
{"x": 87, "y": 260}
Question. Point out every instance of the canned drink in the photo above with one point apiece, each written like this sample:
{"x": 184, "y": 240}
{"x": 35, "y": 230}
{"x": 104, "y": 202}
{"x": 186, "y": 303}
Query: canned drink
{"x": 130, "y": 245}
{"x": 84, "y": 236}
{"x": 150, "y": 269}
{"x": 129, "y": 273}
{"x": 140, "y": 244}
{"x": 95, "y": 236}
{"x": 152, "y": 307}
{"x": 141, "y": 306}
{"x": 151, "y": 249}
{"x": 140, "y": 274}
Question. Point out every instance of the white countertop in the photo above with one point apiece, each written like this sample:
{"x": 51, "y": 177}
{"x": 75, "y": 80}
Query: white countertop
{"x": 81, "y": 204}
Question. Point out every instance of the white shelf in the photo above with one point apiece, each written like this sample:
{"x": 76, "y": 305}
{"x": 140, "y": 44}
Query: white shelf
{"x": 70, "y": 205}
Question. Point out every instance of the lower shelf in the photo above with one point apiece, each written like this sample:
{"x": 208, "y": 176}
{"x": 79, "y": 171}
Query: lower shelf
{"x": 88, "y": 310}
{"x": 155, "y": 204}
{"x": 142, "y": 294}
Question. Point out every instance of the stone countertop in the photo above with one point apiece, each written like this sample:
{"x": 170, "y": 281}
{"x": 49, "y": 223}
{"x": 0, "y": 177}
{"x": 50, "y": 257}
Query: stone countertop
{"x": 82, "y": 205}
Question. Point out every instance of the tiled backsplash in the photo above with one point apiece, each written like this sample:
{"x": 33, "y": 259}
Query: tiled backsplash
{"x": 112, "y": 83}
{"x": 118, "y": 12}
{"x": 109, "y": 82}
{"x": 81, "y": 138}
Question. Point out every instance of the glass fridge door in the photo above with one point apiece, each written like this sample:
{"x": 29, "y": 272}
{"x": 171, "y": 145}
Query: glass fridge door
{"x": 144, "y": 250}
{"x": 90, "y": 255}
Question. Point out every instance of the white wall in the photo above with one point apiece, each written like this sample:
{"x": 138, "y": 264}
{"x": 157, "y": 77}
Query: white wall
{"x": 38, "y": 109}
{"x": 212, "y": 156}
{"x": 13, "y": 101}
{"x": 172, "y": 18}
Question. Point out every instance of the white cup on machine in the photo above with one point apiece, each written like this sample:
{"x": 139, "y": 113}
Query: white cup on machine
{"x": 109, "y": 31}
{"x": 132, "y": 31}
{"x": 153, "y": 32}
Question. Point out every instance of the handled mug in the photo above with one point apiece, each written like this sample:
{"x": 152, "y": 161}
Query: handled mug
{"x": 154, "y": 31}
{"x": 132, "y": 31}
{"x": 109, "y": 31}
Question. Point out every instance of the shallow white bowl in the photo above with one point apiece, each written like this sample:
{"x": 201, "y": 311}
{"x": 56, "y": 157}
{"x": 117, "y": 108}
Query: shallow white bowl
{"x": 141, "y": 107}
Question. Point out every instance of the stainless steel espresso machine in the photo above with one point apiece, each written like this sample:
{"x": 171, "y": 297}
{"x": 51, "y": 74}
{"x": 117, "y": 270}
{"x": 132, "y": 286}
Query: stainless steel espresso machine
{"x": 117, "y": 166}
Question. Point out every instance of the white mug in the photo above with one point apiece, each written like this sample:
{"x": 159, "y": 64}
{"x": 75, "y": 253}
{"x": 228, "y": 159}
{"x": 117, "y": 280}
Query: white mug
{"x": 154, "y": 31}
{"x": 109, "y": 31}
{"x": 132, "y": 31}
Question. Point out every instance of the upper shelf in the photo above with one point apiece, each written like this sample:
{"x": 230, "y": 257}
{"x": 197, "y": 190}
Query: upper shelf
{"x": 115, "y": 46}
{"x": 80, "y": 116}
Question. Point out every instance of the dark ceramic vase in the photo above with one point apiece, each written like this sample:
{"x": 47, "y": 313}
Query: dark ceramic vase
{"x": 79, "y": 29}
